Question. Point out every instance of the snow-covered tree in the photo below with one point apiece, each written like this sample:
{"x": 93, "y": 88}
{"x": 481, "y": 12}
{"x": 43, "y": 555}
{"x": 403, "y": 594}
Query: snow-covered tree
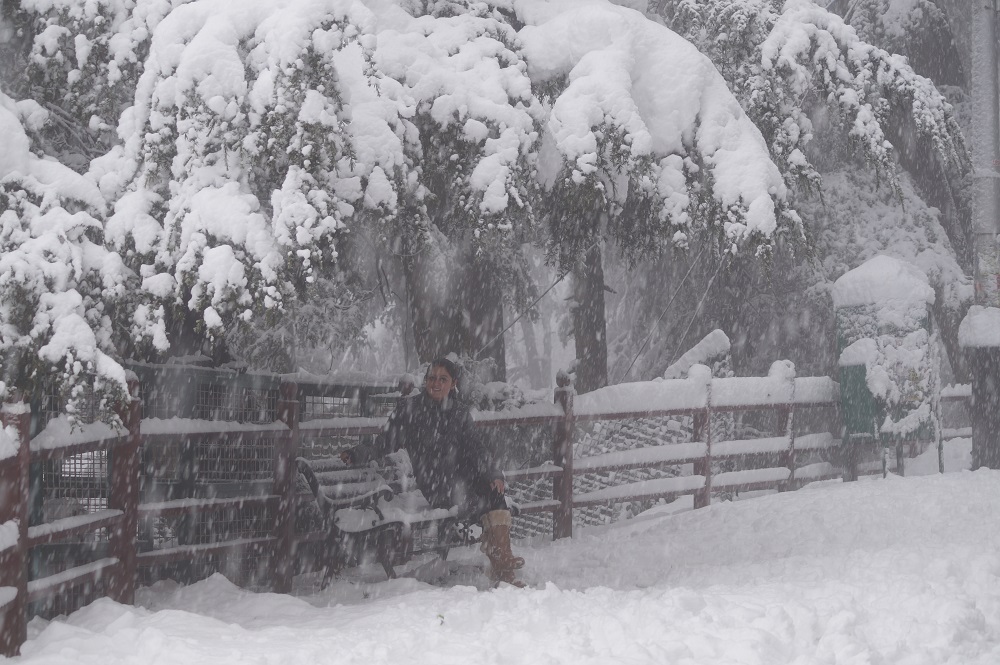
{"x": 464, "y": 95}
{"x": 261, "y": 135}
{"x": 827, "y": 102}
{"x": 59, "y": 285}
{"x": 643, "y": 143}
{"x": 785, "y": 58}
{"x": 237, "y": 174}
{"x": 922, "y": 32}
{"x": 286, "y": 174}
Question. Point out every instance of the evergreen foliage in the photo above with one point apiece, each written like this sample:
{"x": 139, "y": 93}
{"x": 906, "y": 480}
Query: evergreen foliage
{"x": 282, "y": 177}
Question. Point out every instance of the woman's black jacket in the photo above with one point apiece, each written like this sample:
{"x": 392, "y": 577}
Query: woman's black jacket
{"x": 451, "y": 464}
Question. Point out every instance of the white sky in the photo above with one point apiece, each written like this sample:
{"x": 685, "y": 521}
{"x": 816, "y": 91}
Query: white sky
{"x": 901, "y": 571}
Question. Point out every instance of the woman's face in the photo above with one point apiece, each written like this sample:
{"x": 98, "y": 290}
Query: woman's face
{"x": 438, "y": 383}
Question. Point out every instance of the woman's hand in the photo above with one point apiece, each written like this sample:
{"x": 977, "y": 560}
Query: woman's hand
{"x": 498, "y": 485}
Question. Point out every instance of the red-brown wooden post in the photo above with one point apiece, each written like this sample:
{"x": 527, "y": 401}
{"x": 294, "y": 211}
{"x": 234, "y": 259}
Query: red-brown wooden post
{"x": 124, "y": 496}
{"x": 786, "y": 423}
{"x": 562, "y": 456}
{"x": 14, "y": 507}
{"x": 285, "y": 451}
{"x": 703, "y": 467}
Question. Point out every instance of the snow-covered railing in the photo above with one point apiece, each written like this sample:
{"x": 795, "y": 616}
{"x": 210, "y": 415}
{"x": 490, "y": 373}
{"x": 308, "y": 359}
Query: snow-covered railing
{"x": 273, "y": 489}
{"x": 114, "y": 575}
{"x": 14, "y": 462}
{"x": 699, "y": 396}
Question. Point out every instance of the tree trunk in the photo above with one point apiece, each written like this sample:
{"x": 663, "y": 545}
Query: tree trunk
{"x": 411, "y": 359}
{"x": 548, "y": 376}
{"x": 182, "y": 332}
{"x": 481, "y": 319}
{"x": 430, "y": 317}
{"x": 589, "y": 325}
{"x": 960, "y": 19}
{"x": 985, "y": 364}
{"x": 948, "y": 322}
{"x": 460, "y": 311}
{"x": 535, "y": 377}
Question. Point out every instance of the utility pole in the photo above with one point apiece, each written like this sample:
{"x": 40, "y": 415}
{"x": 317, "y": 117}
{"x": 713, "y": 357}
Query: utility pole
{"x": 980, "y": 331}
{"x": 986, "y": 152}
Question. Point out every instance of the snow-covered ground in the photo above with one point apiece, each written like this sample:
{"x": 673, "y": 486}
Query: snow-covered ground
{"x": 883, "y": 571}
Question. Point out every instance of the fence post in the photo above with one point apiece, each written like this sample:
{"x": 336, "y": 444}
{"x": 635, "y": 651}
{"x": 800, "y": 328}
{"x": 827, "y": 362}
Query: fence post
{"x": 124, "y": 496}
{"x": 285, "y": 450}
{"x": 786, "y": 418}
{"x": 14, "y": 506}
{"x": 786, "y": 424}
{"x": 562, "y": 456}
{"x": 703, "y": 467}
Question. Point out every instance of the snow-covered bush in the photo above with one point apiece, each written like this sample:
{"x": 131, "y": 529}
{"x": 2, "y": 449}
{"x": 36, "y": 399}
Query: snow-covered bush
{"x": 883, "y": 311}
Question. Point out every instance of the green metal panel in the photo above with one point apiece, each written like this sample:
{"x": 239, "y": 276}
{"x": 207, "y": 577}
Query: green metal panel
{"x": 861, "y": 412}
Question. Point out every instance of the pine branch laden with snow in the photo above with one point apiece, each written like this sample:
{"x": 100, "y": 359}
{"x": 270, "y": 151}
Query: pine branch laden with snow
{"x": 471, "y": 121}
{"x": 258, "y": 133}
{"x": 84, "y": 64}
{"x": 59, "y": 285}
{"x": 917, "y": 29}
{"x": 330, "y": 316}
{"x": 239, "y": 174}
{"x": 782, "y": 57}
{"x": 643, "y": 130}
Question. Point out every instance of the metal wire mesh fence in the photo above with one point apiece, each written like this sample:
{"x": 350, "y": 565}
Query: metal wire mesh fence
{"x": 597, "y": 439}
{"x": 75, "y": 485}
{"x": 243, "y": 458}
{"x": 220, "y": 401}
{"x": 315, "y": 407}
{"x": 535, "y": 524}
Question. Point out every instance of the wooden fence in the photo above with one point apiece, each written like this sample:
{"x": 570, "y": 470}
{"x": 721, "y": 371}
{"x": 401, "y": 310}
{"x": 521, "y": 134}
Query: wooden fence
{"x": 114, "y": 575}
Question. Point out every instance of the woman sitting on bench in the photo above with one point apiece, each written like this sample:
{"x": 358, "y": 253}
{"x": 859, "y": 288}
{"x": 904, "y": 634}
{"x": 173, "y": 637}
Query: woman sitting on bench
{"x": 451, "y": 465}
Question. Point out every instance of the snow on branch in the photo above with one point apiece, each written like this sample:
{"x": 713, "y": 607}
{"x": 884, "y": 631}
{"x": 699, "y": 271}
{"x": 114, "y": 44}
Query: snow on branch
{"x": 56, "y": 276}
{"x": 714, "y": 346}
{"x": 236, "y": 176}
{"x": 814, "y": 47}
{"x": 647, "y": 124}
{"x": 780, "y": 57}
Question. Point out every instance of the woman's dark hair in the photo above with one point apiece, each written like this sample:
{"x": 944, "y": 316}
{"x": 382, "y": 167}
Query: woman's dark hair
{"x": 449, "y": 366}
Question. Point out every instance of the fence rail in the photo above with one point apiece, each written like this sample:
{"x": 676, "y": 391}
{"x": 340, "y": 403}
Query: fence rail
{"x": 276, "y": 496}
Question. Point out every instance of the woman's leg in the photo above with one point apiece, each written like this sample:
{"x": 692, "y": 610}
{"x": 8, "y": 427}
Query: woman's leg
{"x": 496, "y": 521}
